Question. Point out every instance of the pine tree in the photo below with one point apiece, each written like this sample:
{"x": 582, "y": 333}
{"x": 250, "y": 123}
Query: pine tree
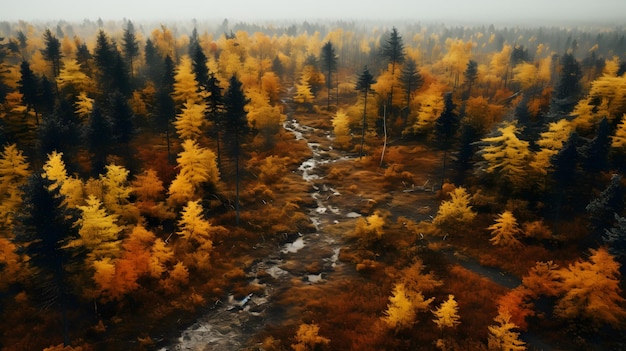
{"x": 236, "y": 127}
{"x": 445, "y": 127}
{"x": 52, "y": 52}
{"x": 328, "y": 61}
{"x": 393, "y": 49}
{"x": 411, "y": 80}
{"x": 505, "y": 231}
{"x": 364, "y": 85}
{"x": 44, "y": 227}
{"x": 98, "y": 134}
{"x": 29, "y": 87}
{"x": 502, "y": 337}
{"x": 447, "y": 314}
{"x": 470, "y": 75}
{"x": 130, "y": 46}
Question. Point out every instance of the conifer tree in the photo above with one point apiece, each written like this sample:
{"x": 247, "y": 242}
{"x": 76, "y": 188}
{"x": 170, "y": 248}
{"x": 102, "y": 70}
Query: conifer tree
{"x": 130, "y": 46}
{"x": 328, "y": 61}
{"x": 29, "y": 87}
{"x": 364, "y": 85}
{"x": 236, "y": 127}
{"x": 411, "y": 80}
{"x": 52, "y": 52}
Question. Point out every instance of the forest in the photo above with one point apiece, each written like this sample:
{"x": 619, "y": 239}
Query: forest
{"x": 311, "y": 186}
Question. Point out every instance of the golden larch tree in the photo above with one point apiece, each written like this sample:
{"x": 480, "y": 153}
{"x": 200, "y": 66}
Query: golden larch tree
{"x": 456, "y": 211}
{"x": 447, "y": 314}
{"x": 502, "y": 337}
{"x": 308, "y": 338}
{"x": 505, "y": 231}
{"x": 191, "y": 123}
{"x": 590, "y": 289}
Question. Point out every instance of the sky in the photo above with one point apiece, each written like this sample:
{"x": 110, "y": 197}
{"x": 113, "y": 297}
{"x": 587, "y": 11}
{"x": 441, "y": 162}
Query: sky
{"x": 472, "y": 11}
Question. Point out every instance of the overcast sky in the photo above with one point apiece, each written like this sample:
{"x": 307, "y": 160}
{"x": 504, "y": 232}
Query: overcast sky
{"x": 489, "y": 11}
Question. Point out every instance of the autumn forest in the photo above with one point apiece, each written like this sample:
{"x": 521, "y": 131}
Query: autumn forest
{"x": 311, "y": 186}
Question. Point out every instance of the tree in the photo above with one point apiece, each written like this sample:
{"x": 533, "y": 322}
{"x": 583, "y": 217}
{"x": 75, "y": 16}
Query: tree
{"x": 456, "y": 211}
{"x": 363, "y": 85}
{"x": 328, "y": 60}
{"x": 595, "y": 154}
{"x": 45, "y": 225}
{"x": 122, "y": 118}
{"x": 236, "y": 127}
{"x": 403, "y": 308}
{"x": 393, "y": 49}
{"x": 411, "y": 80}
{"x": 505, "y": 230}
{"x": 98, "y": 232}
{"x": 590, "y": 290}
{"x": 190, "y": 123}
{"x": 98, "y": 135}
{"x": 166, "y": 107}
{"x": 215, "y": 110}
{"x": 308, "y": 338}
{"x": 602, "y": 209}
{"x": 502, "y": 337}
{"x": 52, "y": 51}
{"x": 14, "y": 172}
{"x": 447, "y": 314}
{"x": 197, "y": 166}
{"x": 506, "y": 156}
{"x": 568, "y": 88}
{"x": 130, "y": 46}
{"x": 341, "y": 129}
{"x": 29, "y": 87}
{"x": 615, "y": 240}
{"x": 446, "y": 126}
{"x": 470, "y": 75}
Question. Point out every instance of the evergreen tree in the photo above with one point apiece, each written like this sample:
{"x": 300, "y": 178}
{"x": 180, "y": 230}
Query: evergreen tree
{"x": 130, "y": 46}
{"x": 445, "y": 127}
{"x": 468, "y": 136}
{"x": 47, "y": 96}
{"x": 59, "y": 131}
{"x": 471, "y": 74}
{"x": 154, "y": 62}
{"x": 235, "y": 126}
{"x": 364, "y": 85}
{"x": 52, "y": 51}
{"x": 98, "y": 136}
{"x": 602, "y": 209}
{"x": 165, "y": 108}
{"x": 328, "y": 60}
{"x": 615, "y": 240}
{"x": 568, "y": 87}
{"x": 44, "y": 226}
{"x": 121, "y": 120}
{"x": 199, "y": 65}
{"x": 411, "y": 81}
{"x": 393, "y": 49}
{"x": 595, "y": 154}
{"x": 215, "y": 110}
{"x": 29, "y": 87}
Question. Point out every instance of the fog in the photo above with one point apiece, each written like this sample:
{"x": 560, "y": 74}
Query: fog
{"x": 477, "y": 11}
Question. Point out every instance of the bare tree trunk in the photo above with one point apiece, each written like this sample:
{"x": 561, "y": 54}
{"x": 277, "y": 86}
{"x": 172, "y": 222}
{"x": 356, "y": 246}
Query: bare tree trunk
{"x": 364, "y": 122}
{"x": 382, "y": 155}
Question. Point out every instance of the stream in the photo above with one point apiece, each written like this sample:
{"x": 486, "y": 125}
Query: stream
{"x": 230, "y": 323}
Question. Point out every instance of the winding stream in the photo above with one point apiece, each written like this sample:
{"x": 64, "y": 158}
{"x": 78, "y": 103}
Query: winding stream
{"x": 231, "y": 323}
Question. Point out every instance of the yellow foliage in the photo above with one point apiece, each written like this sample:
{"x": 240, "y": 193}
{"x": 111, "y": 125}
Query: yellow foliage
{"x": 370, "y": 229}
{"x": 619, "y": 139}
{"x": 272, "y": 169}
{"x": 190, "y": 122}
{"x": 341, "y": 128}
{"x": 197, "y": 165}
{"x": 542, "y": 279}
{"x": 185, "y": 84}
{"x": 505, "y": 230}
{"x": 507, "y": 155}
{"x": 590, "y": 289}
{"x": 456, "y": 211}
{"x": 428, "y": 106}
{"x": 192, "y": 224}
{"x": 402, "y": 309}
{"x": 11, "y": 263}
{"x": 83, "y": 105}
{"x": 447, "y": 314}
{"x": 162, "y": 255}
{"x": 148, "y": 186}
{"x": 98, "y": 231}
{"x": 308, "y": 338}
{"x": 71, "y": 74}
{"x": 501, "y": 336}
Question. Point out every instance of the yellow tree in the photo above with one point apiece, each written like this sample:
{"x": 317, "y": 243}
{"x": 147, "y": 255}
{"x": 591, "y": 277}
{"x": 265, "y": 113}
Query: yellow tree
{"x": 505, "y": 230}
{"x": 502, "y": 337}
{"x": 116, "y": 190}
{"x": 341, "y": 129}
{"x": 447, "y": 314}
{"x": 185, "y": 84}
{"x": 591, "y": 290}
{"x": 14, "y": 172}
{"x": 426, "y": 107}
{"x": 197, "y": 165}
{"x": 308, "y": 338}
{"x": 402, "y": 309}
{"x": 455, "y": 212}
{"x": 72, "y": 75}
{"x": 83, "y": 105}
{"x": 550, "y": 142}
{"x": 98, "y": 232}
{"x": 190, "y": 122}
{"x": 150, "y": 193}
{"x": 70, "y": 187}
{"x": 506, "y": 155}
{"x": 619, "y": 139}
